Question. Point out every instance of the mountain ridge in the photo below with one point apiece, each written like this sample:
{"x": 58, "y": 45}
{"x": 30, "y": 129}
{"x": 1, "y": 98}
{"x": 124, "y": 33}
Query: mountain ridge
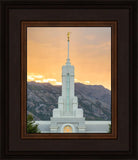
{"x": 42, "y": 98}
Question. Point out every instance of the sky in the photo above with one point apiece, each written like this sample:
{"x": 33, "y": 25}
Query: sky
{"x": 89, "y": 49}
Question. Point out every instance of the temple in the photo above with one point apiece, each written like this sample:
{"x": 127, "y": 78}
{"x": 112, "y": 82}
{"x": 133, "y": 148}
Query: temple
{"x": 67, "y": 118}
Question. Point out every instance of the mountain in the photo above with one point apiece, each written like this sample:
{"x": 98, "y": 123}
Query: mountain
{"x": 42, "y": 98}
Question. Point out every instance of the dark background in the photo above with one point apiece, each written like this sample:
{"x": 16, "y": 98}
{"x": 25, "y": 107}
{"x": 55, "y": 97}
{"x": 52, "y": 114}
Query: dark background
{"x": 13, "y": 12}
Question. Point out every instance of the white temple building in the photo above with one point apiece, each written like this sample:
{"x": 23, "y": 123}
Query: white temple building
{"x": 67, "y": 117}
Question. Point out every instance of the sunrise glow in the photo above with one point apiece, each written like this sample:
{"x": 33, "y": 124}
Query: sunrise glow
{"x": 90, "y": 53}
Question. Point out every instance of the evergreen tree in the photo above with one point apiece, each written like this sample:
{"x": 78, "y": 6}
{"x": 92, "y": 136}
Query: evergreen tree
{"x": 110, "y": 129}
{"x": 31, "y": 127}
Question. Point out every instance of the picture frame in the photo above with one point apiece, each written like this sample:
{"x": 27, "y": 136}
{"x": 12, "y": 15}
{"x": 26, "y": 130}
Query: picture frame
{"x": 12, "y": 145}
{"x": 24, "y": 25}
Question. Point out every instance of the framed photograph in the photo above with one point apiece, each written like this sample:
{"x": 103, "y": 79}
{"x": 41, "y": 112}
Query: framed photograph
{"x": 59, "y": 111}
{"x": 68, "y": 80}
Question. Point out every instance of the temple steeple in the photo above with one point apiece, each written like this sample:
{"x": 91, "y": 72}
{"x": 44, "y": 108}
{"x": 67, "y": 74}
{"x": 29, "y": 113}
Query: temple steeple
{"x": 68, "y": 60}
{"x": 67, "y": 115}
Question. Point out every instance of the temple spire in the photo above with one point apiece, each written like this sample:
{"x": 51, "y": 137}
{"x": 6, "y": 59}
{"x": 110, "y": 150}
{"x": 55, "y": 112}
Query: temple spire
{"x": 68, "y": 36}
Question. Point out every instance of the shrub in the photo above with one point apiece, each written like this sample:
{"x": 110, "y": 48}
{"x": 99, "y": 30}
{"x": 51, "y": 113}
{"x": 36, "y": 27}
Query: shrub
{"x": 110, "y": 129}
{"x": 31, "y": 126}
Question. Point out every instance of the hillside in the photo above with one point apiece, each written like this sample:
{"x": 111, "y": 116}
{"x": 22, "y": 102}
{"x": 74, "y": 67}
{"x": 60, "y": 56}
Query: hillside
{"x": 42, "y": 98}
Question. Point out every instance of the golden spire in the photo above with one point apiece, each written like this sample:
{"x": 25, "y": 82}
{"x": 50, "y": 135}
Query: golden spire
{"x": 68, "y": 35}
{"x": 68, "y": 60}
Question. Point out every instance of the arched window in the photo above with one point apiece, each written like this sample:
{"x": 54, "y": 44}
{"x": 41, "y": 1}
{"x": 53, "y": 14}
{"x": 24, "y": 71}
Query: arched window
{"x": 67, "y": 129}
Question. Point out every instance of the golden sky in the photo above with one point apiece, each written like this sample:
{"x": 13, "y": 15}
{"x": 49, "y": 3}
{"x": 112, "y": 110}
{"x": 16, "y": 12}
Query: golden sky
{"x": 90, "y": 53}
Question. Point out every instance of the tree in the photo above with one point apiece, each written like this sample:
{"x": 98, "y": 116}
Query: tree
{"x": 110, "y": 129}
{"x": 31, "y": 126}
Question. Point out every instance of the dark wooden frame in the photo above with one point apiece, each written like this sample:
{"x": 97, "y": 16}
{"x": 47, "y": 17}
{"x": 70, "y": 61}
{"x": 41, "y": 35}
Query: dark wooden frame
{"x": 126, "y": 144}
{"x": 113, "y": 25}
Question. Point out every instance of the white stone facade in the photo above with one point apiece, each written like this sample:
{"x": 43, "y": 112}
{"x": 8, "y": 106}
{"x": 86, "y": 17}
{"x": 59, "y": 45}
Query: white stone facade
{"x": 90, "y": 126}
